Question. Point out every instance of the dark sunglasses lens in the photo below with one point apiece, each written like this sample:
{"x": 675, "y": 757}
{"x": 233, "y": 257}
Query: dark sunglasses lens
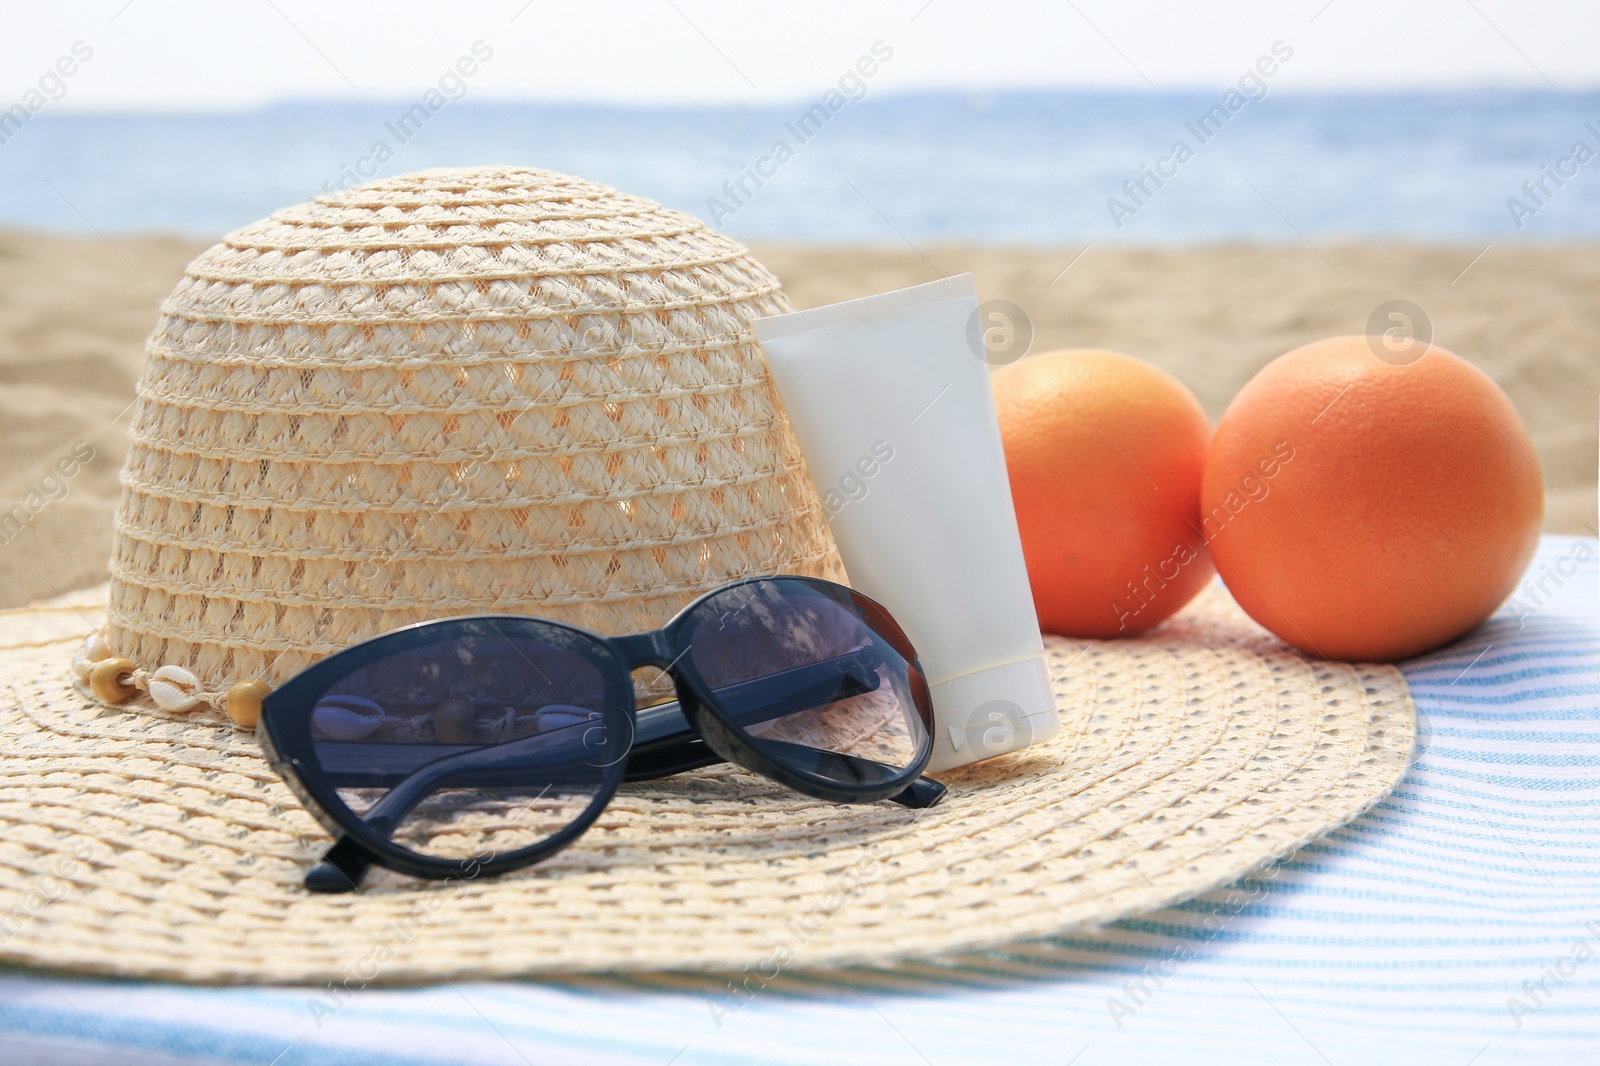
{"x": 813, "y": 680}
{"x": 485, "y": 739}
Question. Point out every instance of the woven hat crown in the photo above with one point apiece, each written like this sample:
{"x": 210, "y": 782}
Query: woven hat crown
{"x": 459, "y": 391}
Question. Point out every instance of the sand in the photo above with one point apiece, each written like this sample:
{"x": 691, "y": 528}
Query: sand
{"x": 74, "y": 314}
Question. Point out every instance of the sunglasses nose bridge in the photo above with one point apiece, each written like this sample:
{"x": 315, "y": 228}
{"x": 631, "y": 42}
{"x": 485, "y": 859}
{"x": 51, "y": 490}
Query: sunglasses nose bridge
{"x": 644, "y": 649}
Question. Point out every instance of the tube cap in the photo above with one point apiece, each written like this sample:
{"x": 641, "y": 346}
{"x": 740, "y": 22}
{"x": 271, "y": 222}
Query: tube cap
{"x": 992, "y": 711}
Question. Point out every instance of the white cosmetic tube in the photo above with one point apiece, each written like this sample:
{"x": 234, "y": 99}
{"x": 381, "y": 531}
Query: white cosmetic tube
{"x": 889, "y": 398}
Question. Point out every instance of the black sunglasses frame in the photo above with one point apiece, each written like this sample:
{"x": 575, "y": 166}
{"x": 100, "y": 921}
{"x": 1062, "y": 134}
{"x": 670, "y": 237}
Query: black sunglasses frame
{"x": 708, "y": 734}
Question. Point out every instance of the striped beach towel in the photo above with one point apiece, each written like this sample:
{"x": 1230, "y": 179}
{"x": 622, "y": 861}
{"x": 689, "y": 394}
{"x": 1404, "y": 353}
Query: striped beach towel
{"x": 1457, "y": 922}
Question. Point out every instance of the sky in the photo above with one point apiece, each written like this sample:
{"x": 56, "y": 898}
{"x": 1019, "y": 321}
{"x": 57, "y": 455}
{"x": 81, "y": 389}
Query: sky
{"x": 189, "y": 55}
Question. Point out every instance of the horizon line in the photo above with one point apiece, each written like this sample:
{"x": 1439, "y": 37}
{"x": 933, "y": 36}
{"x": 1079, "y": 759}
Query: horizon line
{"x": 985, "y": 96}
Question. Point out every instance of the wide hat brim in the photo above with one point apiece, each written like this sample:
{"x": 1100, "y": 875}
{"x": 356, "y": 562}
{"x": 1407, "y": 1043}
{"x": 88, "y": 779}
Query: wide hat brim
{"x": 144, "y": 844}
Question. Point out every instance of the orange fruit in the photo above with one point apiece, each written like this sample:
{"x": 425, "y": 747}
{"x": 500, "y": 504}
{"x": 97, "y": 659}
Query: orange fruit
{"x": 1367, "y": 510}
{"x": 1105, "y": 455}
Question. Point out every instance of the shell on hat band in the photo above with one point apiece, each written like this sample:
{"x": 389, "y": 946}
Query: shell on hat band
{"x": 114, "y": 680}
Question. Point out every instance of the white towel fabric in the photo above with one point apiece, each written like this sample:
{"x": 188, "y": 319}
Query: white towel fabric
{"x": 1458, "y": 922}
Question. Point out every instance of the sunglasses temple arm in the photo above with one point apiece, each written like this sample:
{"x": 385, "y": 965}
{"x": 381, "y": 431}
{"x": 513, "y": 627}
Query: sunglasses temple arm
{"x": 666, "y": 744}
{"x": 343, "y": 865}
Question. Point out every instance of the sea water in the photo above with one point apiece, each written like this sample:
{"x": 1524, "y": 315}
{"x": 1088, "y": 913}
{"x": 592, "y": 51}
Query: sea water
{"x": 1028, "y": 168}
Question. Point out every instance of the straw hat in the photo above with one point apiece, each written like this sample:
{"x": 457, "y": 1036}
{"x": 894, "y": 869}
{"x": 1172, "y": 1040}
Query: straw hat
{"x": 455, "y": 392}
{"x": 511, "y": 390}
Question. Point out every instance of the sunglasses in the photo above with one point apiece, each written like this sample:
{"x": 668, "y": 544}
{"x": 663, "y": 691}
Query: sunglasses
{"x": 471, "y": 746}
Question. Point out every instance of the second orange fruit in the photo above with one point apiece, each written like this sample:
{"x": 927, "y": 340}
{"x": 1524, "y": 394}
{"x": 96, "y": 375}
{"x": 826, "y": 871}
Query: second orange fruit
{"x": 1362, "y": 509}
{"x": 1105, "y": 455}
